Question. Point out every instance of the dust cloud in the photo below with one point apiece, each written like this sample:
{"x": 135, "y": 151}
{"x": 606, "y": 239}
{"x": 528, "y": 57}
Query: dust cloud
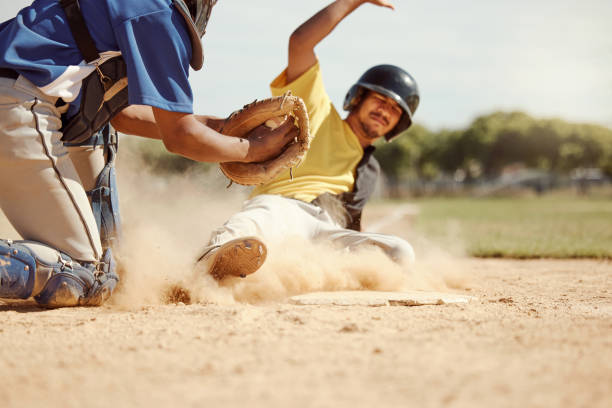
{"x": 167, "y": 221}
{"x": 298, "y": 266}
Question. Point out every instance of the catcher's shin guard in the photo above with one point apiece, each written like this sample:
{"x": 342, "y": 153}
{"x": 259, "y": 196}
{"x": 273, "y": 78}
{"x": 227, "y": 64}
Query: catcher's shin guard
{"x": 18, "y": 276}
{"x": 29, "y": 269}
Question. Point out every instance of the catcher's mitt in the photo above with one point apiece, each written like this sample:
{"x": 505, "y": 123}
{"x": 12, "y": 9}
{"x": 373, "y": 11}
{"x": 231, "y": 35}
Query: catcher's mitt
{"x": 270, "y": 112}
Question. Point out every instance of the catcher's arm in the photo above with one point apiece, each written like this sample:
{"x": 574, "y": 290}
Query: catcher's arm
{"x": 213, "y": 122}
{"x": 137, "y": 120}
{"x": 184, "y": 134}
{"x": 309, "y": 34}
{"x": 197, "y": 137}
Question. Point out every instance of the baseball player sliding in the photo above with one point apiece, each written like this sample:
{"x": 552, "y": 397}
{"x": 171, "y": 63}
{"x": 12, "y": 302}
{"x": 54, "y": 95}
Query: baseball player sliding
{"x": 68, "y": 68}
{"x": 323, "y": 198}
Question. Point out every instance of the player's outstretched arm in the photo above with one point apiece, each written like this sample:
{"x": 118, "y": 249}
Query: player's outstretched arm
{"x": 309, "y": 34}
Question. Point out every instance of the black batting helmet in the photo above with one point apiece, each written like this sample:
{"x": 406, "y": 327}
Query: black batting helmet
{"x": 390, "y": 81}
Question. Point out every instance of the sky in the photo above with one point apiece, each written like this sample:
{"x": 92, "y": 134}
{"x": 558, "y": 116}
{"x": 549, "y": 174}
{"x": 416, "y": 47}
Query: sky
{"x": 549, "y": 58}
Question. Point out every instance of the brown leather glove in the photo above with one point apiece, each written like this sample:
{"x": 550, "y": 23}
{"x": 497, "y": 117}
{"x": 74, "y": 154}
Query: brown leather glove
{"x": 261, "y": 117}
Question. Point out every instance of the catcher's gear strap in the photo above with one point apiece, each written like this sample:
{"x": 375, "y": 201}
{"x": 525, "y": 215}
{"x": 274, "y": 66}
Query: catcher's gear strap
{"x": 79, "y": 30}
{"x": 241, "y": 122}
{"x": 29, "y": 268}
{"x": 105, "y": 203}
{"x": 104, "y": 92}
{"x": 104, "y": 196}
{"x": 106, "y": 136}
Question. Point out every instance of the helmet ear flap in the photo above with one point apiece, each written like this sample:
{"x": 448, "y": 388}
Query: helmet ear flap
{"x": 353, "y": 97}
{"x": 403, "y": 124}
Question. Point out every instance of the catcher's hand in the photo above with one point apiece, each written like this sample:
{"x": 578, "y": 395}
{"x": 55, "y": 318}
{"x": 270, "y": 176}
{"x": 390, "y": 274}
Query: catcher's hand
{"x": 267, "y": 140}
{"x": 258, "y": 120}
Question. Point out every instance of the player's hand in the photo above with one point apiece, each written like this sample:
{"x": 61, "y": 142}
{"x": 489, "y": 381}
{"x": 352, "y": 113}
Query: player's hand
{"x": 381, "y": 3}
{"x": 265, "y": 143}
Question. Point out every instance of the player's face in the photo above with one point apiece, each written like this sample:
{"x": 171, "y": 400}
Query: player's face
{"x": 378, "y": 114}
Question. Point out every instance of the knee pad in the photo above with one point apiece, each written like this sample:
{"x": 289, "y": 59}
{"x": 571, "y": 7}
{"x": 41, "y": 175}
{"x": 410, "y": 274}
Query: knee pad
{"x": 29, "y": 268}
{"x": 17, "y": 271}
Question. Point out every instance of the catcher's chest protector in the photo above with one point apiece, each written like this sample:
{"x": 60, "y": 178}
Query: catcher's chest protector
{"x": 104, "y": 93}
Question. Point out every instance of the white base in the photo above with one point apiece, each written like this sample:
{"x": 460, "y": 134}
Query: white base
{"x": 373, "y": 298}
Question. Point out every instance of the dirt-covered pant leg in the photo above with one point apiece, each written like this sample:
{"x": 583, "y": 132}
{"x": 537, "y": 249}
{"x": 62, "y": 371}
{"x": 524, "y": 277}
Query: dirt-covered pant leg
{"x": 41, "y": 191}
{"x": 270, "y": 218}
{"x": 396, "y": 248}
{"x": 273, "y": 218}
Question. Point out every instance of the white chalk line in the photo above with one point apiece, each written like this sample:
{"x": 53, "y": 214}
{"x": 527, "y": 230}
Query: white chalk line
{"x": 399, "y": 213}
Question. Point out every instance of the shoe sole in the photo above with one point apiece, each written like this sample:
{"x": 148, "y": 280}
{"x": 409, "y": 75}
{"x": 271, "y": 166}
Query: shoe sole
{"x": 239, "y": 257}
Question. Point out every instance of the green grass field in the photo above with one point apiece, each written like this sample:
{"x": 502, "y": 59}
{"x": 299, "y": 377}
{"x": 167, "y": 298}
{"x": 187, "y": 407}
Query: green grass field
{"x": 555, "y": 226}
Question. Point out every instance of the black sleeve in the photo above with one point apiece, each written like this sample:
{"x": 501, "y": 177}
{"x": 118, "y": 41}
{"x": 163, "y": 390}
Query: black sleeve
{"x": 366, "y": 175}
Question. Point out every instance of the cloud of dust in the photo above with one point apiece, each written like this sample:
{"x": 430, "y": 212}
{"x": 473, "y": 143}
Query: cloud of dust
{"x": 298, "y": 266}
{"x": 446, "y": 265}
{"x": 168, "y": 220}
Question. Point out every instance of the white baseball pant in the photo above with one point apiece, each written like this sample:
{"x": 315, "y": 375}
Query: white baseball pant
{"x": 42, "y": 183}
{"x": 273, "y": 217}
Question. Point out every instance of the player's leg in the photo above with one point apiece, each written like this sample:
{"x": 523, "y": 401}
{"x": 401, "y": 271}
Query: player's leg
{"x": 239, "y": 248}
{"x": 41, "y": 192}
{"x": 42, "y": 195}
{"x": 398, "y": 249}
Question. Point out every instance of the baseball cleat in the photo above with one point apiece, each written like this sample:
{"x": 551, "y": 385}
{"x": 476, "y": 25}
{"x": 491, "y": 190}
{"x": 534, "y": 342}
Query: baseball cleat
{"x": 239, "y": 257}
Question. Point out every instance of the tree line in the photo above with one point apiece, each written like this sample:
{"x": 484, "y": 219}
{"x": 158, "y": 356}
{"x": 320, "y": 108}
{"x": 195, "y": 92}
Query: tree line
{"x": 491, "y": 143}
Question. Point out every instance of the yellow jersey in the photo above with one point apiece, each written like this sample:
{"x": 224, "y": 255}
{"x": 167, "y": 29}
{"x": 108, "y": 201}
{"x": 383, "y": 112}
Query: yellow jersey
{"x": 329, "y": 165}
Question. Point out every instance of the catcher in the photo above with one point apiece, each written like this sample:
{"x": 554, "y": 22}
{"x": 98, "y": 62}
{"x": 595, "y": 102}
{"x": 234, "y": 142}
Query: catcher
{"x": 67, "y": 69}
{"x": 323, "y": 197}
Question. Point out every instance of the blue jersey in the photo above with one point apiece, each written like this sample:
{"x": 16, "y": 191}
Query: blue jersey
{"x": 150, "y": 35}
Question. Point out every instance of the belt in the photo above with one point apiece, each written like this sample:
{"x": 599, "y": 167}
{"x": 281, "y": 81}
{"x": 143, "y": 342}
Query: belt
{"x": 8, "y": 73}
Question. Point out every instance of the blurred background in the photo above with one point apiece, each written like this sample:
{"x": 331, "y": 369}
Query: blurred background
{"x": 513, "y": 136}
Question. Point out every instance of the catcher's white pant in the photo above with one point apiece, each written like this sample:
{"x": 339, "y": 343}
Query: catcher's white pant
{"x": 273, "y": 217}
{"x": 42, "y": 183}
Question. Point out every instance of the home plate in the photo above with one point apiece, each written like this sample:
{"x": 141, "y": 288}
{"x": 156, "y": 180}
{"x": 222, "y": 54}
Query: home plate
{"x": 375, "y": 298}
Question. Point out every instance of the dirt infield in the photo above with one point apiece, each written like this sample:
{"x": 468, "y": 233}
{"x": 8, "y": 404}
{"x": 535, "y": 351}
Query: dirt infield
{"x": 539, "y": 335}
